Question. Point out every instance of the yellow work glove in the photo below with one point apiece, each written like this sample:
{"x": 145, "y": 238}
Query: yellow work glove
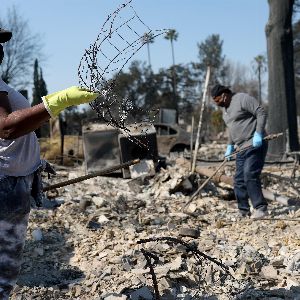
{"x": 56, "y": 102}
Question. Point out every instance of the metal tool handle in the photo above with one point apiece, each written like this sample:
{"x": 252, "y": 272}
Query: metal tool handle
{"x": 267, "y": 138}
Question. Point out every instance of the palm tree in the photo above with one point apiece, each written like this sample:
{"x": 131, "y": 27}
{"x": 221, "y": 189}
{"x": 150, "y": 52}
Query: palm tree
{"x": 259, "y": 66}
{"x": 148, "y": 38}
{"x": 172, "y": 35}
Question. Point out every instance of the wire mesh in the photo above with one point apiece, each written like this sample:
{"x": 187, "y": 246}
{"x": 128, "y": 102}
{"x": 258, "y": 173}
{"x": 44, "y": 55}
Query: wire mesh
{"x": 122, "y": 35}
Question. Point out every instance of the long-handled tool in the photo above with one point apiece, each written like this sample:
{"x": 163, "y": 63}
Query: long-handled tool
{"x": 91, "y": 175}
{"x": 267, "y": 138}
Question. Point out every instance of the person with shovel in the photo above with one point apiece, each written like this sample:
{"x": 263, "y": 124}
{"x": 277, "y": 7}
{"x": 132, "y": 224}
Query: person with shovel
{"x": 246, "y": 121}
{"x": 20, "y": 165}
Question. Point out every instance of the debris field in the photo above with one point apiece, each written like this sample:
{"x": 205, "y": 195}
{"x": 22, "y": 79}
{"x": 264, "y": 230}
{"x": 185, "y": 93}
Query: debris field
{"x": 113, "y": 238}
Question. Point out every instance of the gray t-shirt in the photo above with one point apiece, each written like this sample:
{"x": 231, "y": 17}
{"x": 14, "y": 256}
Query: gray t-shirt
{"x": 243, "y": 117}
{"x": 21, "y": 156}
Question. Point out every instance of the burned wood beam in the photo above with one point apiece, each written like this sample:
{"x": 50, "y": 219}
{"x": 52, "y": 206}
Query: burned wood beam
{"x": 282, "y": 178}
{"x": 279, "y": 198}
{"x": 229, "y": 180}
{"x": 205, "y": 182}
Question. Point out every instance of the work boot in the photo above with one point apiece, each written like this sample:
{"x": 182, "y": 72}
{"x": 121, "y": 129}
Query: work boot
{"x": 259, "y": 213}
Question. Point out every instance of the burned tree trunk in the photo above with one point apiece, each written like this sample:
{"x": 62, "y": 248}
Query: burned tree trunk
{"x": 282, "y": 102}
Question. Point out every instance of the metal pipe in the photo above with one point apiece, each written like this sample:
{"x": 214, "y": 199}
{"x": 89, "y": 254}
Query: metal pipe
{"x": 91, "y": 175}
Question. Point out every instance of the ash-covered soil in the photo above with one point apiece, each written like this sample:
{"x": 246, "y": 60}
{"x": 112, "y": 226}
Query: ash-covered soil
{"x": 94, "y": 244}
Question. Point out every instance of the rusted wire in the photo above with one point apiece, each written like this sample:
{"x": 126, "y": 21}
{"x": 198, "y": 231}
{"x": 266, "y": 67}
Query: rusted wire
{"x": 190, "y": 248}
{"x": 148, "y": 255}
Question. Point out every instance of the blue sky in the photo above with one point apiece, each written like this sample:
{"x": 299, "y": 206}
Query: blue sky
{"x": 67, "y": 27}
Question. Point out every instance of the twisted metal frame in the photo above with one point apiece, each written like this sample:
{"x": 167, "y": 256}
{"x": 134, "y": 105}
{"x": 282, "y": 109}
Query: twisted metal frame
{"x": 122, "y": 35}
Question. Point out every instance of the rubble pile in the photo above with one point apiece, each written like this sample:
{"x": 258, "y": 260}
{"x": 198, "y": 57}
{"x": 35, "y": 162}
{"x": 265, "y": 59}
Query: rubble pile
{"x": 107, "y": 233}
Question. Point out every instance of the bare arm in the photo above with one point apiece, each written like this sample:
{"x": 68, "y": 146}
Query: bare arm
{"x": 20, "y": 122}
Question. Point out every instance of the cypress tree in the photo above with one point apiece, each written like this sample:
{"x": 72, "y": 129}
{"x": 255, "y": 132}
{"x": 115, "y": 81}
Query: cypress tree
{"x": 42, "y": 85}
{"x": 36, "y": 99}
{"x": 39, "y": 90}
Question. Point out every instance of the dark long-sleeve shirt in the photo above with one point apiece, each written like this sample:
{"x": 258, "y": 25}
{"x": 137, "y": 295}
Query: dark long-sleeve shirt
{"x": 243, "y": 117}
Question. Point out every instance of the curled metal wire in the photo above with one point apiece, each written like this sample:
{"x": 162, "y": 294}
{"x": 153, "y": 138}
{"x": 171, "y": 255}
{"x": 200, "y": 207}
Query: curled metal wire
{"x": 122, "y": 35}
{"x": 148, "y": 255}
{"x": 220, "y": 272}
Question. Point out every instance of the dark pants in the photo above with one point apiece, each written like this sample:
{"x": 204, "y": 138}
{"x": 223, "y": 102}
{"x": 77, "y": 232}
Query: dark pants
{"x": 14, "y": 213}
{"x": 247, "y": 182}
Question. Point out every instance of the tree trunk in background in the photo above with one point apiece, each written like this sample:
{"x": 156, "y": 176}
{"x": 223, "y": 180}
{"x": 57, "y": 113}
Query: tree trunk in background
{"x": 259, "y": 85}
{"x": 282, "y": 102}
{"x": 174, "y": 78}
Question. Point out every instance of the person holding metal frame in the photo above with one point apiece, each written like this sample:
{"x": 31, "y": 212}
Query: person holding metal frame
{"x": 20, "y": 165}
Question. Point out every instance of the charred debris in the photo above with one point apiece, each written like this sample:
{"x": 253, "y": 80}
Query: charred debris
{"x": 129, "y": 234}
